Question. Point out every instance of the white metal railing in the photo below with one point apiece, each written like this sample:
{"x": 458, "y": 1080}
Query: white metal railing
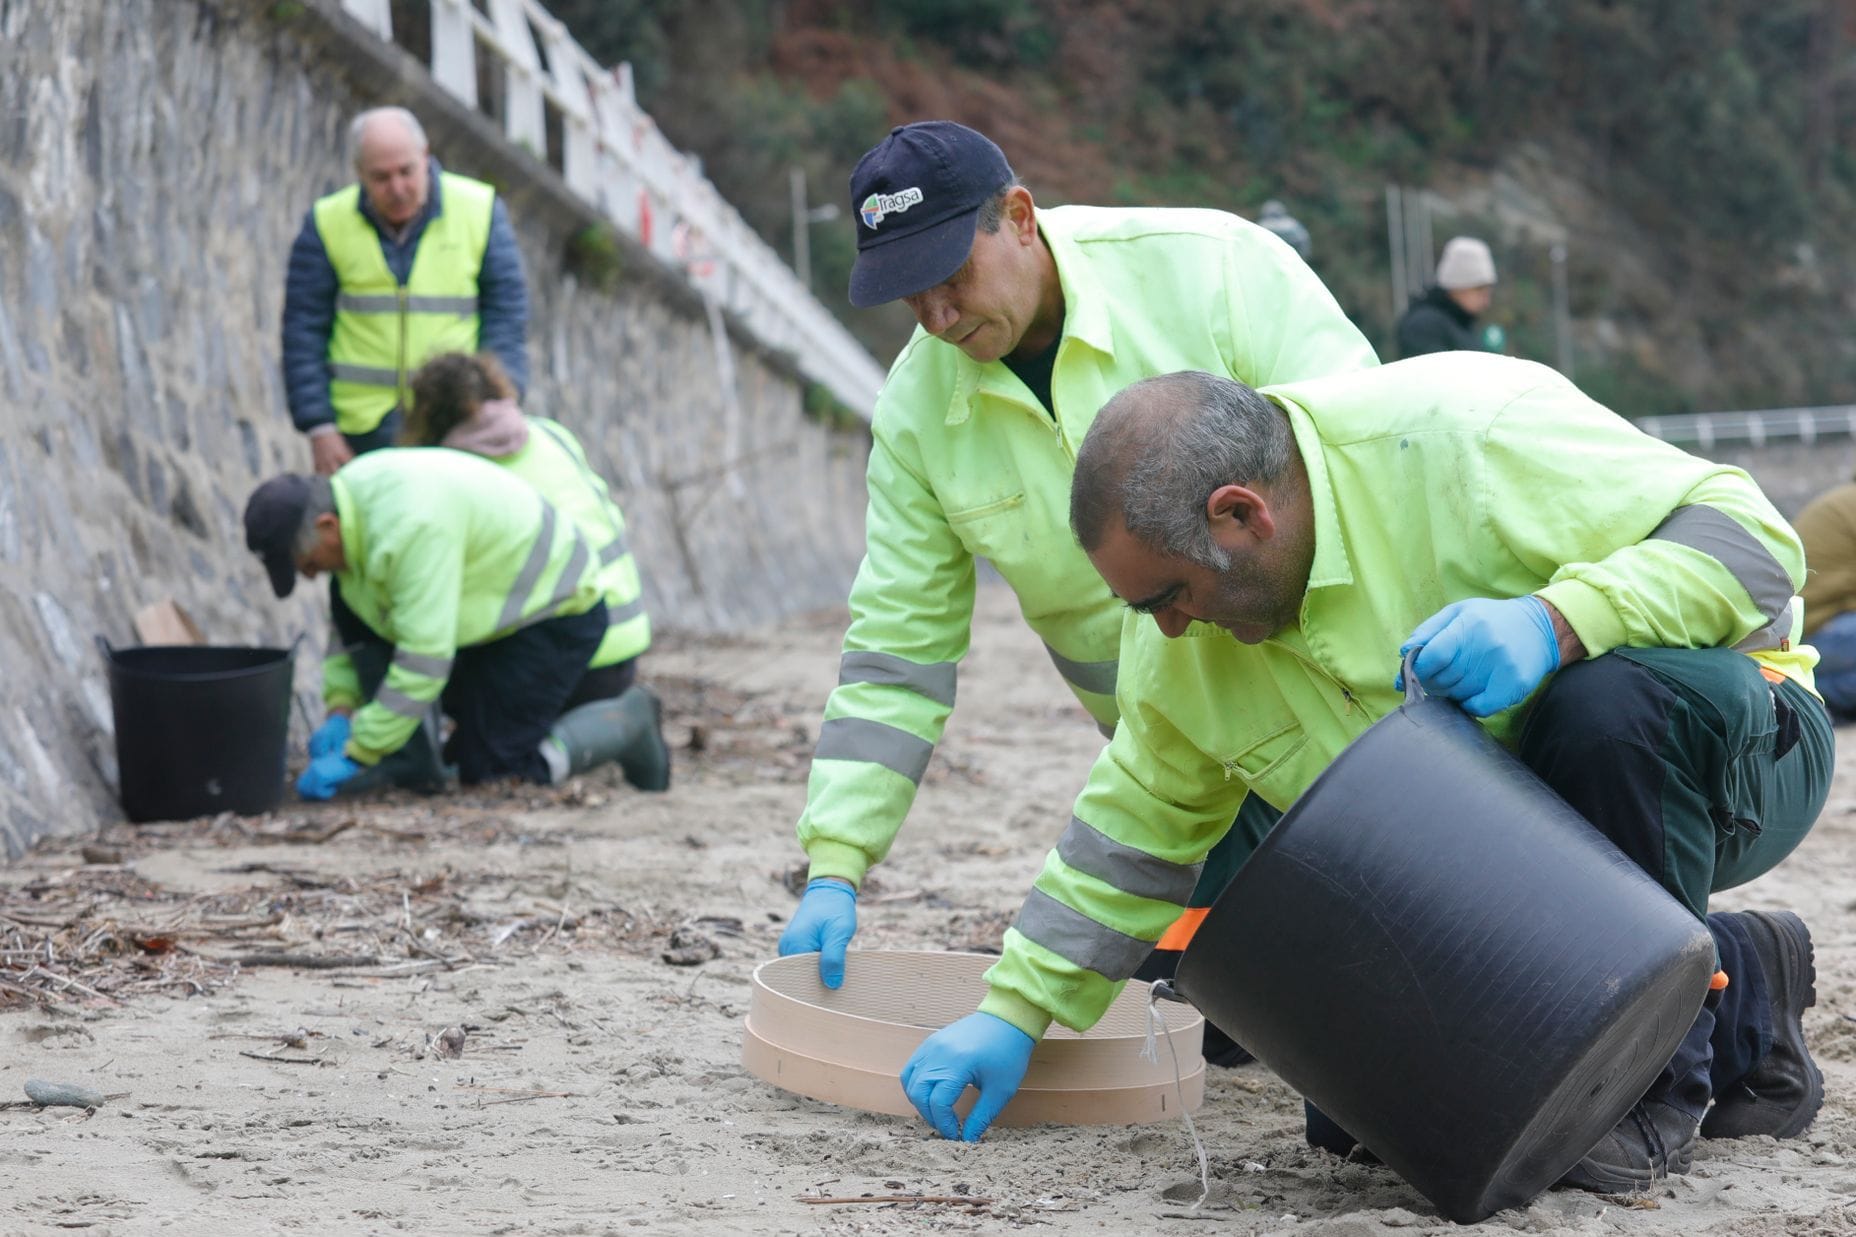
{"x": 1755, "y": 427}
{"x": 612, "y": 155}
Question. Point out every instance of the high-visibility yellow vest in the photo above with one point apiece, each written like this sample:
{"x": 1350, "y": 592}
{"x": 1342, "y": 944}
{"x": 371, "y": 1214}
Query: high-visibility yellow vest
{"x": 383, "y": 330}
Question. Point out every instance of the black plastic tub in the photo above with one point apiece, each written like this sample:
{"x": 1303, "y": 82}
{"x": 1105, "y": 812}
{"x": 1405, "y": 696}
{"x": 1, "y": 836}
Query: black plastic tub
{"x": 1446, "y": 959}
{"x": 200, "y": 729}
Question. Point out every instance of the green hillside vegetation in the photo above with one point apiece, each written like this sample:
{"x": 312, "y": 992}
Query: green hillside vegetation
{"x": 1690, "y": 156}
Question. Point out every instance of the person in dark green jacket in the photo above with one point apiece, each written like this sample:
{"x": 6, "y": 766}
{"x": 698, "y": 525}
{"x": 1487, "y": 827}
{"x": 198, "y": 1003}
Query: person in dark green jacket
{"x": 1622, "y": 614}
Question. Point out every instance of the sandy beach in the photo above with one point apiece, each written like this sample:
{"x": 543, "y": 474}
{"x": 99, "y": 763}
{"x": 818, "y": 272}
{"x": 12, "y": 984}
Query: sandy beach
{"x": 521, "y": 1012}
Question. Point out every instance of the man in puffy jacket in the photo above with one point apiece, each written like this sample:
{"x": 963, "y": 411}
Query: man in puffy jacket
{"x": 408, "y": 262}
{"x": 1280, "y": 550}
{"x": 1029, "y": 320}
{"x": 477, "y": 590}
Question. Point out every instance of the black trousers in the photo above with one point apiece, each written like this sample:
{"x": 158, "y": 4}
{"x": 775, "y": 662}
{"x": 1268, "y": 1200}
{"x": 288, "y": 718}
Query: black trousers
{"x": 1706, "y": 775}
{"x": 604, "y": 683}
{"x": 505, "y": 695}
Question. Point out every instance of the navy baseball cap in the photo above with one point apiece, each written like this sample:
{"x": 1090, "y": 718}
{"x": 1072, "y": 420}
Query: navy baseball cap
{"x": 273, "y": 515}
{"x": 917, "y": 196}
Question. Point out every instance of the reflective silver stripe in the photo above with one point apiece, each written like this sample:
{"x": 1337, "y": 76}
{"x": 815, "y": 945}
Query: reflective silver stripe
{"x": 1773, "y": 635}
{"x": 421, "y": 663}
{"x": 349, "y": 303}
{"x": 615, "y": 550}
{"x": 854, "y": 738}
{"x": 1721, "y": 537}
{"x": 366, "y": 374}
{"x": 1091, "y": 676}
{"x": 625, "y": 613}
{"x": 400, "y": 704}
{"x": 568, "y": 582}
{"x": 1076, "y": 937}
{"x": 531, "y": 570}
{"x": 935, "y": 680}
{"x": 1094, "y": 853}
{"x": 336, "y": 647}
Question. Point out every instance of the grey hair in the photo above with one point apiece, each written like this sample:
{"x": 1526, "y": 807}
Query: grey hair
{"x": 358, "y": 127}
{"x": 321, "y": 501}
{"x": 992, "y": 210}
{"x": 1158, "y": 450}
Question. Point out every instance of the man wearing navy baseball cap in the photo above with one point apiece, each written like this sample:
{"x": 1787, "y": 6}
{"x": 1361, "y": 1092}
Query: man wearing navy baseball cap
{"x": 1030, "y": 319}
{"x": 917, "y": 198}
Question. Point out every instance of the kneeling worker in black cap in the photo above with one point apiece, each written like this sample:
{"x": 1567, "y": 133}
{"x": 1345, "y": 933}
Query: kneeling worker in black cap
{"x": 489, "y": 600}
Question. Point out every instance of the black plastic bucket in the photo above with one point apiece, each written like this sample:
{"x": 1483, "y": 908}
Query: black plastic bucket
{"x": 1450, "y": 962}
{"x": 200, "y": 729}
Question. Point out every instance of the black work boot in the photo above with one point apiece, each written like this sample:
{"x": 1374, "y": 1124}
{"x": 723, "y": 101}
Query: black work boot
{"x": 416, "y": 766}
{"x": 1653, "y": 1141}
{"x": 1781, "y": 1095}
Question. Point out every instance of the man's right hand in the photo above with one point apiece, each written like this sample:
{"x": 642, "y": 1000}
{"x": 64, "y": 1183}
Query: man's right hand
{"x": 331, "y": 738}
{"x": 330, "y": 451}
{"x": 981, "y": 1050}
{"x": 825, "y": 921}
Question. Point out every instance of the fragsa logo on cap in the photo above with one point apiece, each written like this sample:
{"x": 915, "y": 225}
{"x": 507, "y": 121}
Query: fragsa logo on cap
{"x": 877, "y": 205}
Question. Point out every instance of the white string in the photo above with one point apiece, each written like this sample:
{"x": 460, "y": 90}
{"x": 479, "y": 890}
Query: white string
{"x": 1150, "y": 1052}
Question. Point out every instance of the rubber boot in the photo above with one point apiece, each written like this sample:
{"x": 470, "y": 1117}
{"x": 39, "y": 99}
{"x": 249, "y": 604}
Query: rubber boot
{"x": 628, "y": 728}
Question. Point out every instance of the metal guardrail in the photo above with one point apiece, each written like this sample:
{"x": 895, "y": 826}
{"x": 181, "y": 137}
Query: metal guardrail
{"x": 611, "y": 154}
{"x": 1754, "y": 427}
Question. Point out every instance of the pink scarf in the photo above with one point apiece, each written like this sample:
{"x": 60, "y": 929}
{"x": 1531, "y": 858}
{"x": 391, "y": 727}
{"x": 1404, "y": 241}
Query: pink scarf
{"x": 498, "y": 429}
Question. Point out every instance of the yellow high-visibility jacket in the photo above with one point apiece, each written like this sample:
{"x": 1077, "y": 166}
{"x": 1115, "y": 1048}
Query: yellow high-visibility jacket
{"x": 966, "y": 463}
{"x": 445, "y": 550}
{"x": 1434, "y": 480}
{"x": 553, "y": 461}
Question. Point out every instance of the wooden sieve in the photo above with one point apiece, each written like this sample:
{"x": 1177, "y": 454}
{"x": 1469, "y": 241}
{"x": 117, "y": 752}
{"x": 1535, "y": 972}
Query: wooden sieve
{"x": 849, "y": 1046}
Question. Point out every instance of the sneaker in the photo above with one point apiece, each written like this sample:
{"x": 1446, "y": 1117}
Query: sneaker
{"x": 1781, "y": 1095}
{"x": 1652, "y": 1142}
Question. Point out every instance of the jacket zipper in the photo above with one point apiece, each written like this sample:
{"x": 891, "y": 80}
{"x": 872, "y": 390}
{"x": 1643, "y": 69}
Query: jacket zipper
{"x": 1346, "y": 694}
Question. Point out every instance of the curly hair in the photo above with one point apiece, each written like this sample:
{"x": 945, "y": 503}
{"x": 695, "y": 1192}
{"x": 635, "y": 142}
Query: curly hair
{"x": 447, "y": 391}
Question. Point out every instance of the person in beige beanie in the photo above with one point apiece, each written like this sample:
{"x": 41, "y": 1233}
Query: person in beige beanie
{"x": 1442, "y": 317}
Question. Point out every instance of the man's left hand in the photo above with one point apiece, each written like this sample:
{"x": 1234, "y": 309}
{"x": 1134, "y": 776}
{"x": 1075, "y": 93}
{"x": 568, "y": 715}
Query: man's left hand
{"x": 1486, "y": 655}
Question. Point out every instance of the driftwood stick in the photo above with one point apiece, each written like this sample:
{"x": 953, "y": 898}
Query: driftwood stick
{"x": 308, "y": 962}
{"x": 260, "y": 1056}
{"x": 964, "y": 1200}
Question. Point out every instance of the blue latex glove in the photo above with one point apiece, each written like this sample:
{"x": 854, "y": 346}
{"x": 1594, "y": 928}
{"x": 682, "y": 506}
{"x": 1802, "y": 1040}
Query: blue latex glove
{"x": 1484, "y": 654}
{"x": 825, "y": 921}
{"x": 325, "y": 776}
{"x": 331, "y": 737}
{"x": 981, "y": 1049}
